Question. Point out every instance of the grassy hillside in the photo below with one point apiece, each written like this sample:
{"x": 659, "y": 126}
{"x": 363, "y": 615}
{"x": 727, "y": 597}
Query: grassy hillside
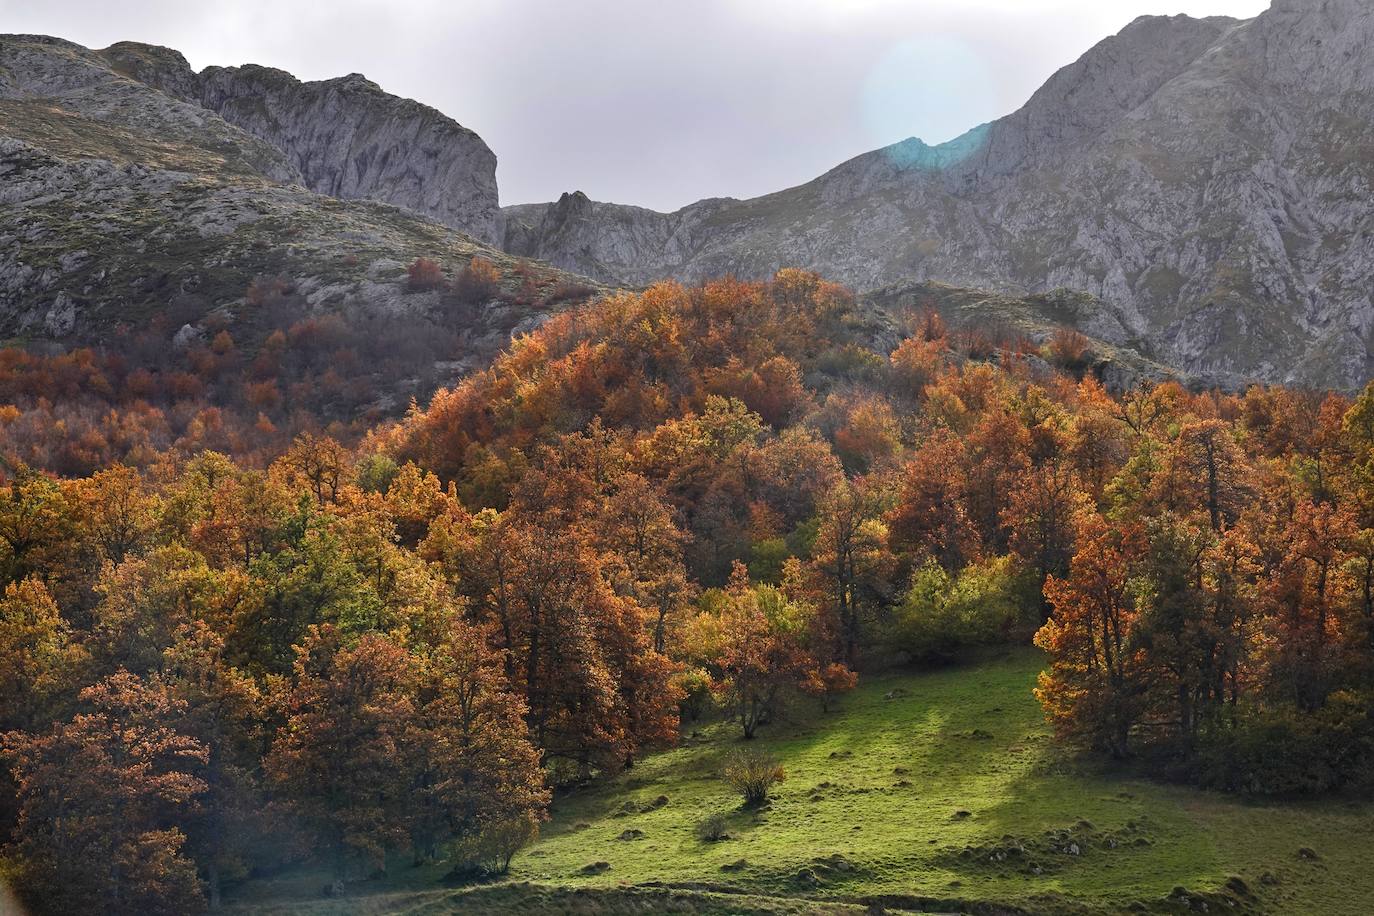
{"x": 938, "y": 791}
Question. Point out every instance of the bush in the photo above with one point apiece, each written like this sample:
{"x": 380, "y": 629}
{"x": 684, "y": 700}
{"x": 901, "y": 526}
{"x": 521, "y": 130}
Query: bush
{"x": 712, "y": 829}
{"x": 1068, "y": 349}
{"x": 940, "y": 616}
{"x": 752, "y": 774}
{"x": 695, "y": 684}
{"x": 267, "y": 290}
{"x": 425, "y": 274}
{"x": 1287, "y": 752}
{"x": 570, "y": 291}
{"x": 478, "y": 282}
{"x": 489, "y": 852}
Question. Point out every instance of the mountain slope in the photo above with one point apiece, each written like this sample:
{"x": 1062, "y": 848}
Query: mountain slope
{"x": 345, "y": 137}
{"x": 1209, "y": 179}
{"x": 120, "y": 200}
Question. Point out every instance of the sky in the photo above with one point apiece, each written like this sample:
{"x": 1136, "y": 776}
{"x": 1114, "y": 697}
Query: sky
{"x": 649, "y": 102}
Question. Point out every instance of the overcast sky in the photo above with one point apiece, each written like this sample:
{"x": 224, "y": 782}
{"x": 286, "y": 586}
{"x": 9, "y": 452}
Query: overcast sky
{"x": 650, "y": 102}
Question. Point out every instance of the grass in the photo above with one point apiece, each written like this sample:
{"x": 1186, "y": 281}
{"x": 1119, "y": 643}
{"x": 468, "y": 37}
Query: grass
{"x": 939, "y": 790}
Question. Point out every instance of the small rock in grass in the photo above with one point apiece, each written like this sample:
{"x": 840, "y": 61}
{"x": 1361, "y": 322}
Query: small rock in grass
{"x": 961, "y": 814}
{"x": 900, "y": 771}
{"x": 836, "y": 862}
{"x": 807, "y": 877}
{"x": 1269, "y": 879}
{"x": 1236, "y": 885}
{"x": 737, "y": 865}
{"x": 631, "y": 835}
{"x": 595, "y": 868}
{"x": 1308, "y": 852}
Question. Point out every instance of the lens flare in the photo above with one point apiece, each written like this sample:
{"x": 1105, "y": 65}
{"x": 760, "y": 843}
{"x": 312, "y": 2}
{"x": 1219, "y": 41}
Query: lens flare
{"x": 933, "y": 87}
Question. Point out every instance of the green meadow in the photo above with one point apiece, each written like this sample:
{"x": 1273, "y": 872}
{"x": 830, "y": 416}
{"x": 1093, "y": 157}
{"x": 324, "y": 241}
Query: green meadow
{"x": 936, "y": 792}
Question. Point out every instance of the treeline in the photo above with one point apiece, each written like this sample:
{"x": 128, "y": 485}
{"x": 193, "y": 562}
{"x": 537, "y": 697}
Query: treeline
{"x": 247, "y": 381}
{"x": 722, "y": 499}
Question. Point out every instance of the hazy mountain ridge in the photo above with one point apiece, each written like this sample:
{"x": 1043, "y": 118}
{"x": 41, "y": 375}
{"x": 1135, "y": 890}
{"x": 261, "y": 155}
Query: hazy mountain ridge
{"x": 1207, "y": 177}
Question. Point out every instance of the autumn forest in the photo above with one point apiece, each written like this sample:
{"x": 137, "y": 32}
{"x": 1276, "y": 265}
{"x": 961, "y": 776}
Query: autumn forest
{"x": 248, "y": 625}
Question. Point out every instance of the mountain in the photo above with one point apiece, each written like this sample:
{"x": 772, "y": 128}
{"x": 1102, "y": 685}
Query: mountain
{"x": 133, "y": 188}
{"x": 1199, "y": 187}
{"x": 344, "y": 137}
{"x": 1208, "y": 180}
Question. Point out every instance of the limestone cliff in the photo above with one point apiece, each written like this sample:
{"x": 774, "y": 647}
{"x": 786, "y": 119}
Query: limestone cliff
{"x": 1209, "y": 180}
{"x": 345, "y": 137}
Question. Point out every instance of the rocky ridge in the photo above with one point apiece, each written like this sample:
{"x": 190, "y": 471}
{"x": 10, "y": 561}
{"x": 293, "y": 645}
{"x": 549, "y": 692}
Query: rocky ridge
{"x": 1208, "y": 180}
{"x": 345, "y": 137}
{"x": 120, "y": 201}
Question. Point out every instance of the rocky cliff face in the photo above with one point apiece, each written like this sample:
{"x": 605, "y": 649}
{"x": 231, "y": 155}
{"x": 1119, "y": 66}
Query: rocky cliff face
{"x": 1207, "y": 179}
{"x": 121, "y": 202}
{"x": 345, "y": 137}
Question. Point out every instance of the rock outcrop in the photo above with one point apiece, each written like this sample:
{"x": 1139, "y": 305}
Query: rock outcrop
{"x": 350, "y": 139}
{"x": 123, "y": 204}
{"x": 1208, "y": 180}
{"x": 345, "y": 137}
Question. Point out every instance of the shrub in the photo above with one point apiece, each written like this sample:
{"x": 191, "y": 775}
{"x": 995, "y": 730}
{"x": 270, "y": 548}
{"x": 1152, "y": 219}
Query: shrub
{"x": 267, "y": 290}
{"x": 941, "y": 616}
{"x": 1068, "y": 349}
{"x": 751, "y": 774}
{"x": 570, "y": 291}
{"x": 712, "y": 829}
{"x": 424, "y": 274}
{"x": 489, "y": 852}
{"x": 1287, "y": 752}
{"x": 829, "y": 681}
{"x": 695, "y": 686}
{"x": 478, "y": 282}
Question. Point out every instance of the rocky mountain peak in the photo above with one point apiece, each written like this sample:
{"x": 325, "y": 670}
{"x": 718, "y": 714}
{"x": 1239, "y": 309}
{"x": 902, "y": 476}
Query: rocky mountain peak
{"x": 344, "y": 137}
{"x": 1207, "y": 181}
{"x": 154, "y": 65}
